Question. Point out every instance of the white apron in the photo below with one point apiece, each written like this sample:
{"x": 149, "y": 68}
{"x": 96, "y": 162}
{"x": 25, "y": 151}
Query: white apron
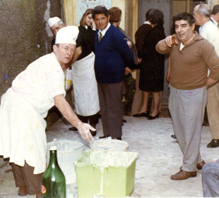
{"x": 85, "y": 86}
{"x": 22, "y": 132}
{"x": 23, "y": 109}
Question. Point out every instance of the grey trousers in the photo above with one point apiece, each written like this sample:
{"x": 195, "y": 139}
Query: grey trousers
{"x": 210, "y": 179}
{"x": 23, "y": 176}
{"x": 187, "y": 112}
{"x": 110, "y": 98}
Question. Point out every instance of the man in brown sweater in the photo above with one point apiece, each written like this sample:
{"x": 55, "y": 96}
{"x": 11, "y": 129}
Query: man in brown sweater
{"x": 190, "y": 58}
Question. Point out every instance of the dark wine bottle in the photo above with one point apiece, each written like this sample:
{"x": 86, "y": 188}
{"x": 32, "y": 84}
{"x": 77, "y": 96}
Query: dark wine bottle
{"x": 53, "y": 182}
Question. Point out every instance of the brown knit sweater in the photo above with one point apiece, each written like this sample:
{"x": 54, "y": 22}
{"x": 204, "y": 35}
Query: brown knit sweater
{"x": 188, "y": 67}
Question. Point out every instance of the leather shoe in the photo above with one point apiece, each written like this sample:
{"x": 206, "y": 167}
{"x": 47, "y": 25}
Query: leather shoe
{"x": 124, "y": 121}
{"x": 181, "y": 175}
{"x": 118, "y": 138}
{"x": 104, "y": 136}
{"x": 213, "y": 144}
{"x": 200, "y": 165}
{"x": 205, "y": 123}
{"x": 22, "y": 191}
{"x": 173, "y": 136}
{"x": 153, "y": 117}
{"x": 144, "y": 114}
{"x": 73, "y": 129}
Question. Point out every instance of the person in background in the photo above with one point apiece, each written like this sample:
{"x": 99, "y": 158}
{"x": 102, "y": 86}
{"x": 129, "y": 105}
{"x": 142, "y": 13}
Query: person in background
{"x": 140, "y": 34}
{"x": 24, "y": 107}
{"x": 112, "y": 56}
{"x": 190, "y": 58}
{"x": 115, "y": 19}
{"x": 215, "y": 15}
{"x": 209, "y": 31}
{"x": 55, "y": 24}
{"x": 210, "y": 181}
{"x": 86, "y": 101}
{"x": 152, "y": 65}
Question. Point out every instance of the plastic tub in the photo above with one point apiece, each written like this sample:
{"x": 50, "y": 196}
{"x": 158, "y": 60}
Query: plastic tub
{"x": 105, "y": 173}
{"x": 109, "y": 144}
{"x": 68, "y": 151}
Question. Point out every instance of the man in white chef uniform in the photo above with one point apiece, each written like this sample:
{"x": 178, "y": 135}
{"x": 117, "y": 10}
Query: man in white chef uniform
{"x": 24, "y": 107}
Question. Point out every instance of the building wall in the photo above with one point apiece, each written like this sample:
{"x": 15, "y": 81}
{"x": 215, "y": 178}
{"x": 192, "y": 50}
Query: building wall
{"x": 24, "y": 35}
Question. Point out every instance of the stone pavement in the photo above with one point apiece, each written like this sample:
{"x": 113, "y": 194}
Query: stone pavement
{"x": 159, "y": 158}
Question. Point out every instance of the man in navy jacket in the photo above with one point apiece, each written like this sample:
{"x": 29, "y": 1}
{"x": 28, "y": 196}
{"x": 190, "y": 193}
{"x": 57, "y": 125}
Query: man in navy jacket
{"x": 112, "y": 56}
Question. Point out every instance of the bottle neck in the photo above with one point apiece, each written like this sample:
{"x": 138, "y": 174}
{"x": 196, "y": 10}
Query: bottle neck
{"x": 53, "y": 158}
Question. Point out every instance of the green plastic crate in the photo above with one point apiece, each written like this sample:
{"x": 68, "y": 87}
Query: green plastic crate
{"x": 105, "y": 173}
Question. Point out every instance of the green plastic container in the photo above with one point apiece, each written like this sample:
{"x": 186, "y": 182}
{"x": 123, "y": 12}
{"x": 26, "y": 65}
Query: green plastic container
{"x": 105, "y": 173}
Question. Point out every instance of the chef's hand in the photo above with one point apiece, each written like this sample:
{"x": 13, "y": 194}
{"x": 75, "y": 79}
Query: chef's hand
{"x": 84, "y": 130}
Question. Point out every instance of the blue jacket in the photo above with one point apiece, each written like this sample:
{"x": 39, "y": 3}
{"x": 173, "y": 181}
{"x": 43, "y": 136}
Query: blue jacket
{"x": 112, "y": 56}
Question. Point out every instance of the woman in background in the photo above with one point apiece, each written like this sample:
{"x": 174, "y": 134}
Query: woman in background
{"x": 140, "y": 35}
{"x": 86, "y": 101}
{"x": 152, "y": 65}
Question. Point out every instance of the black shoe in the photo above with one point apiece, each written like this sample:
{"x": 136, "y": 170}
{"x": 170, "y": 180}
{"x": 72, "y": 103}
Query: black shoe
{"x": 124, "y": 121}
{"x": 144, "y": 114}
{"x": 118, "y": 138}
{"x": 153, "y": 117}
{"x": 104, "y": 136}
{"x": 73, "y": 129}
{"x": 205, "y": 123}
{"x": 173, "y": 136}
{"x": 213, "y": 144}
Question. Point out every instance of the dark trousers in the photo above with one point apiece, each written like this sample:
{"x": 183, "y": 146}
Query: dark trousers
{"x": 23, "y": 176}
{"x": 210, "y": 179}
{"x": 111, "y": 108}
{"x": 92, "y": 120}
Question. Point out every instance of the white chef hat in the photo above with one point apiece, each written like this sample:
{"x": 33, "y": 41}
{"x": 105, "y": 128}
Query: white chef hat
{"x": 67, "y": 34}
{"x": 52, "y": 21}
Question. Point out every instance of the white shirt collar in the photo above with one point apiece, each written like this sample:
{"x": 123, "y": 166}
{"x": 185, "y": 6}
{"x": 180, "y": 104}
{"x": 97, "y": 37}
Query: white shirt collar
{"x": 103, "y": 32}
{"x": 147, "y": 22}
{"x": 181, "y": 46}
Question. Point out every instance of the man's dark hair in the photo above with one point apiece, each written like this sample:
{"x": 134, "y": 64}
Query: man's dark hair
{"x": 100, "y": 10}
{"x": 184, "y": 16}
{"x": 215, "y": 9}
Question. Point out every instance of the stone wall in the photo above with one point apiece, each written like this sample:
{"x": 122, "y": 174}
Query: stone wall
{"x": 24, "y": 36}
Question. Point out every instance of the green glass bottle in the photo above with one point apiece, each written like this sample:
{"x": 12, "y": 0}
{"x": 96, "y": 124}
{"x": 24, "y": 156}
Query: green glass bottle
{"x": 53, "y": 182}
